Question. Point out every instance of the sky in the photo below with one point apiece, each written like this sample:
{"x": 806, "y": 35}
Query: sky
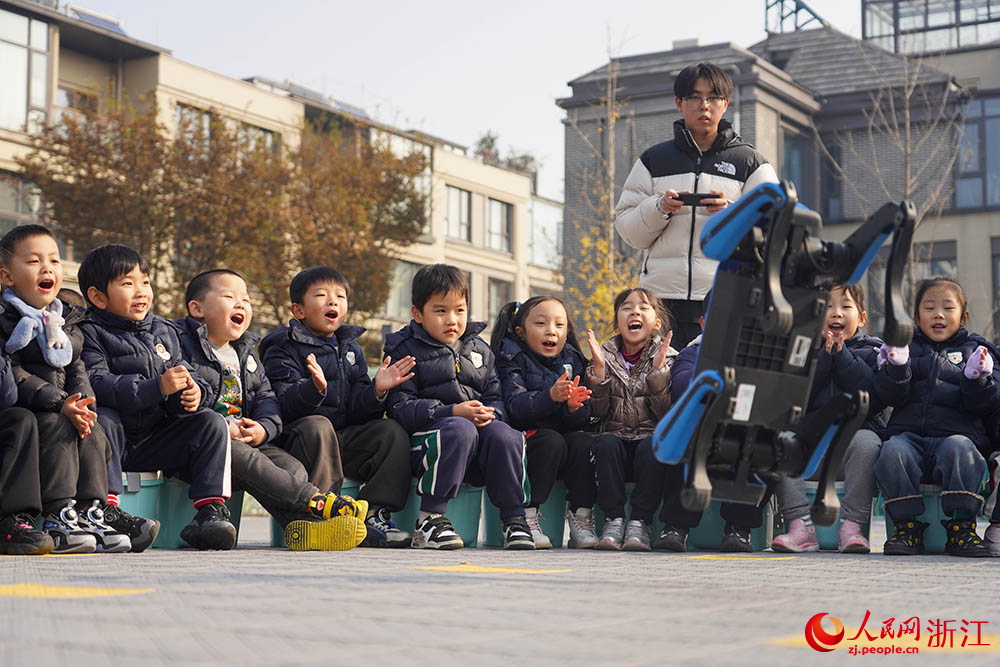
{"x": 451, "y": 69}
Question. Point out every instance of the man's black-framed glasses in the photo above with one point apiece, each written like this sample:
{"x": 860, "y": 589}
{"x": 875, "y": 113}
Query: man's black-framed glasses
{"x": 712, "y": 101}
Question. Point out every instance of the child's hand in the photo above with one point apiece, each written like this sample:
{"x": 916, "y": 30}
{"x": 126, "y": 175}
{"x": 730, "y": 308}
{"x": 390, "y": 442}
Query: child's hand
{"x": 562, "y": 389}
{"x": 318, "y": 378}
{"x": 387, "y": 377}
{"x": 578, "y": 395}
{"x": 75, "y": 409}
{"x": 251, "y": 432}
{"x": 191, "y": 395}
{"x": 474, "y": 411}
{"x": 897, "y": 356}
{"x": 835, "y": 343}
{"x": 661, "y": 352}
{"x": 485, "y": 417}
{"x": 234, "y": 430}
{"x": 596, "y": 355}
{"x": 979, "y": 364}
{"x": 174, "y": 380}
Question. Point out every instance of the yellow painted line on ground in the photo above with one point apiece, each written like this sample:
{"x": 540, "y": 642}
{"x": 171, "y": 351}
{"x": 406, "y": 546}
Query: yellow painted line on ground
{"x": 47, "y": 555}
{"x": 485, "y": 569}
{"x": 906, "y": 641}
{"x": 716, "y": 557}
{"x": 41, "y": 591}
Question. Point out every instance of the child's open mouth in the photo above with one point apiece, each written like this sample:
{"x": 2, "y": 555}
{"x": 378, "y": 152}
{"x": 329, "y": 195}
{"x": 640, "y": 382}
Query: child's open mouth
{"x": 836, "y": 327}
{"x": 549, "y": 345}
{"x": 46, "y": 283}
{"x": 938, "y": 327}
{"x": 237, "y": 319}
{"x": 140, "y": 306}
{"x": 635, "y": 326}
{"x": 332, "y": 315}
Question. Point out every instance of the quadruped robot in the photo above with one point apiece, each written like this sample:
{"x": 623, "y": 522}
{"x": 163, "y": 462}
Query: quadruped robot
{"x": 743, "y": 417}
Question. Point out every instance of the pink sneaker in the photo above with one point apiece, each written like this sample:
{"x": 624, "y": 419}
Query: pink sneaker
{"x": 851, "y": 540}
{"x": 799, "y": 538}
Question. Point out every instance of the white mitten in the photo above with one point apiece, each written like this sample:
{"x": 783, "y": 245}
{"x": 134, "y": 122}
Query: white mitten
{"x": 897, "y": 356}
{"x": 979, "y": 364}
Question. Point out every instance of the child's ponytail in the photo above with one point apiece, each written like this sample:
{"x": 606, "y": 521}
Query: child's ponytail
{"x": 503, "y": 327}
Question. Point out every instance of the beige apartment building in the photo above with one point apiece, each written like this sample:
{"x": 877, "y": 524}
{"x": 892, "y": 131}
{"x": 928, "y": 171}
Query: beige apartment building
{"x": 57, "y": 61}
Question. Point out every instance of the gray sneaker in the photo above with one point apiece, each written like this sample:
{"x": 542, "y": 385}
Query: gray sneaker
{"x": 581, "y": 529}
{"x": 636, "y": 536}
{"x": 614, "y": 533}
{"x": 532, "y": 516}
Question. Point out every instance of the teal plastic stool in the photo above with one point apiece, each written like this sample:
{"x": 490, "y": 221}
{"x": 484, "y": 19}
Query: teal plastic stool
{"x": 708, "y": 533}
{"x": 464, "y": 512}
{"x": 349, "y": 488}
{"x": 175, "y": 511}
{"x": 141, "y": 495}
{"x": 935, "y": 536}
{"x": 553, "y": 519}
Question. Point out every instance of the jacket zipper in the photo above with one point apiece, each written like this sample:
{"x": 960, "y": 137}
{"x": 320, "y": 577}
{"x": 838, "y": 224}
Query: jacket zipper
{"x": 694, "y": 215}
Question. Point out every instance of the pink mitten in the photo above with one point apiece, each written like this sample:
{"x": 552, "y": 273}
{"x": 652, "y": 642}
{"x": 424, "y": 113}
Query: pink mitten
{"x": 897, "y": 356}
{"x": 979, "y": 364}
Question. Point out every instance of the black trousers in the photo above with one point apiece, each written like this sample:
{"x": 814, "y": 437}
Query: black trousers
{"x": 313, "y": 442}
{"x": 70, "y": 466}
{"x": 673, "y": 513}
{"x": 20, "y": 491}
{"x": 684, "y": 316}
{"x": 194, "y": 446}
{"x": 553, "y": 455}
{"x": 275, "y": 478}
{"x": 620, "y": 461}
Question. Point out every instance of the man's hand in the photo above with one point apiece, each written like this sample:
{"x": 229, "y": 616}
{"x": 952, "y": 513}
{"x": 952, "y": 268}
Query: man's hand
{"x": 660, "y": 358}
{"x": 75, "y": 409}
{"x": 596, "y": 355}
{"x": 250, "y": 432}
{"x": 718, "y": 203}
{"x": 387, "y": 377}
{"x": 191, "y": 395}
{"x": 318, "y": 378}
{"x": 174, "y": 380}
{"x": 668, "y": 203}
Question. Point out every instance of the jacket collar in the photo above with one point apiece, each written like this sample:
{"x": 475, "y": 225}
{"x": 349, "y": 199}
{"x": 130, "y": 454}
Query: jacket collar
{"x": 511, "y": 347}
{"x": 726, "y": 136}
{"x": 197, "y": 328}
{"x": 114, "y": 322}
{"x": 417, "y": 331}
{"x": 344, "y": 334}
{"x": 959, "y": 337}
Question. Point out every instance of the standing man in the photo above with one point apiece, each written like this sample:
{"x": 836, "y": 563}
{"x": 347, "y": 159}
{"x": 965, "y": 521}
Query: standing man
{"x": 705, "y": 156}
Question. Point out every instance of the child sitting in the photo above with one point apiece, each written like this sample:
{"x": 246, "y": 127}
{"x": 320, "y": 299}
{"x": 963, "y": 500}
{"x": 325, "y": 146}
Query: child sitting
{"x": 630, "y": 379}
{"x": 943, "y": 390}
{"x": 846, "y": 363}
{"x": 453, "y": 409}
{"x": 540, "y": 365}
{"x": 319, "y": 373}
{"x": 216, "y": 342}
{"x": 148, "y": 401}
{"x": 44, "y": 349}
{"x": 20, "y": 492}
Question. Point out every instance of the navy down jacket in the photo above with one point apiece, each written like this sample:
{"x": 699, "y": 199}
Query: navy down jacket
{"x": 526, "y": 378}
{"x": 125, "y": 360}
{"x": 850, "y": 369}
{"x": 443, "y": 376}
{"x": 259, "y": 403}
{"x": 930, "y": 394}
{"x": 8, "y": 388}
{"x": 350, "y": 396}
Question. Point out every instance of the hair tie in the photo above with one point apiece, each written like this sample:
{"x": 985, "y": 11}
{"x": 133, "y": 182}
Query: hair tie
{"x": 517, "y": 306}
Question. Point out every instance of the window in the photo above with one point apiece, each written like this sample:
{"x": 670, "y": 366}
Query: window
{"x": 546, "y": 234}
{"x": 831, "y": 187}
{"x": 501, "y": 293}
{"x": 257, "y": 138}
{"x": 459, "y": 213}
{"x": 936, "y": 258}
{"x": 798, "y": 166}
{"x": 20, "y": 202}
{"x": 24, "y": 72}
{"x": 978, "y": 164}
{"x": 995, "y": 319}
{"x": 397, "y": 306}
{"x": 193, "y": 122}
{"x": 72, "y": 102}
{"x": 501, "y": 225}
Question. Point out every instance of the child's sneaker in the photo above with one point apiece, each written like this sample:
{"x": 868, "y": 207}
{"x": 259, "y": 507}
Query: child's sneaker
{"x": 613, "y": 535}
{"x": 581, "y": 529}
{"x": 66, "y": 533}
{"x": 532, "y": 515}
{"x": 636, "y": 536}
{"x": 992, "y": 539}
{"x": 800, "y": 537}
{"x": 382, "y": 532}
{"x": 517, "y": 535}
{"x": 673, "y": 538}
{"x": 19, "y": 537}
{"x": 109, "y": 540}
{"x": 436, "y": 532}
{"x": 735, "y": 539}
{"x": 963, "y": 540}
{"x": 341, "y": 533}
{"x": 210, "y": 529}
{"x": 907, "y": 538}
{"x": 141, "y": 532}
{"x": 329, "y": 505}
{"x": 851, "y": 538}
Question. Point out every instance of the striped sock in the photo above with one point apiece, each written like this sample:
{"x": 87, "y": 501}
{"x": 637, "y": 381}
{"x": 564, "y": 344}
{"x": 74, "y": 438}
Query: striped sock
{"x": 113, "y": 499}
{"x": 201, "y": 502}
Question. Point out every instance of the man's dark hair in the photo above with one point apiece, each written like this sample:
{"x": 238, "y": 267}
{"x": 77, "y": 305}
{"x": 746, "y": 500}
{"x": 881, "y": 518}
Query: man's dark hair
{"x": 106, "y": 263}
{"x": 201, "y": 284}
{"x": 306, "y": 278}
{"x": 437, "y": 279}
{"x": 717, "y": 78}
{"x": 8, "y": 244}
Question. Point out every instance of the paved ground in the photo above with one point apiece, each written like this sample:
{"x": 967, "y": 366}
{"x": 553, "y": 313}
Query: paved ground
{"x": 258, "y": 605}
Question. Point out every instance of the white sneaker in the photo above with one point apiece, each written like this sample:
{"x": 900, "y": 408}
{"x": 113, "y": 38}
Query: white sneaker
{"x": 581, "y": 529}
{"x": 436, "y": 532}
{"x": 992, "y": 539}
{"x": 532, "y": 515}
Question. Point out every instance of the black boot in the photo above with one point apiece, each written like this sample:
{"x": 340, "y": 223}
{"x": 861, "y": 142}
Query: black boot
{"x": 210, "y": 529}
{"x": 673, "y": 538}
{"x": 963, "y": 540}
{"x": 735, "y": 539}
{"x": 907, "y": 538}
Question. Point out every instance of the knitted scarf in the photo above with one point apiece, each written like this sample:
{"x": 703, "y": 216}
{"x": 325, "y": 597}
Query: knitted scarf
{"x": 46, "y": 325}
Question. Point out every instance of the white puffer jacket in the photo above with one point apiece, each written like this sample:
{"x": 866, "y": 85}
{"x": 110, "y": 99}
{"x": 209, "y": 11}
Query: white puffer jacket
{"x": 673, "y": 266}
